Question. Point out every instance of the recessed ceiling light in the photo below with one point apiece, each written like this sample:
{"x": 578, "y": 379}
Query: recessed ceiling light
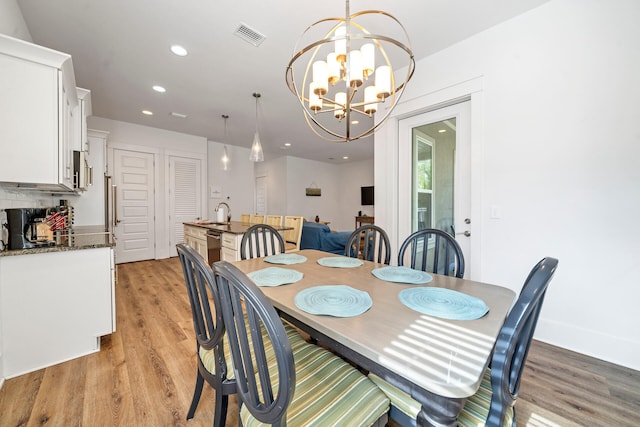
{"x": 345, "y": 157}
{"x": 147, "y": 112}
{"x": 179, "y": 115}
{"x": 179, "y": 50}
{"x": 287, "y": 144}
{"x": 355, "y": 122}
{"x": 158, "y": 88}
{"x": 442, "y": 130}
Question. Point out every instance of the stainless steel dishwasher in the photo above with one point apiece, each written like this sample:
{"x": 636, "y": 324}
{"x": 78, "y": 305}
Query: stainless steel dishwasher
{"x": 214, "y": 245}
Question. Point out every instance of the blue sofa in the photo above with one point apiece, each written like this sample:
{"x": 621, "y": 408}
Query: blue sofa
{"x": 319, "y": 236}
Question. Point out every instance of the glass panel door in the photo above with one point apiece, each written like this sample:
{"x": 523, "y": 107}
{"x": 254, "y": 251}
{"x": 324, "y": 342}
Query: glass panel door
{"x": 434, "y": 184}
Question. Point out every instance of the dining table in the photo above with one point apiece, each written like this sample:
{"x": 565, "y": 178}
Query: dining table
{"x": 436, "y": 358}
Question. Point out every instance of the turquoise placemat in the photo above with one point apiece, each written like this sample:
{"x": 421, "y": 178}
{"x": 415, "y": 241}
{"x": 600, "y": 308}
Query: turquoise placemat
{"x": 402, "y": 274}
{"x": 287, "y": 259}
{"x": 333, "y": 300}
{"x": 274, "y": 276}
{"x": 443, "y": 303}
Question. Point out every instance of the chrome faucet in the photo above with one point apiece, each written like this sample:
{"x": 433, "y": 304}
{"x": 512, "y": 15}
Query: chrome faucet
{"x": 228, "y": 210}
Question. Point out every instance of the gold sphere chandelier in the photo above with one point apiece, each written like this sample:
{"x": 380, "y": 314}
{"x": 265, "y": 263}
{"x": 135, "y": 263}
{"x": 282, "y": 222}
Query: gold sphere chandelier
{"x": 342, "y": 78}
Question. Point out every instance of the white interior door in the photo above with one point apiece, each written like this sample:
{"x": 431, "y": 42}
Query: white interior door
{"x": 133, "y": 175}
{"x": 185, "y": 196}
{"x": 261, "y": 195}
{"x": 435, "y": 174}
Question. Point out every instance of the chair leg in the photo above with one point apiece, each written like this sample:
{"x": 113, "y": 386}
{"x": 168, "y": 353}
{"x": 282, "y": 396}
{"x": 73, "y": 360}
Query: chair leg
{"x": 220, "y": 411}
{"x": 196, "y": 395}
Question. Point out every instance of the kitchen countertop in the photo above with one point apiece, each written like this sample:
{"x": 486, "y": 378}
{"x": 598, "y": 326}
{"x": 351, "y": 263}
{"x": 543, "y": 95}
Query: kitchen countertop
{"x": 77, "y": 238}
{"x": 233, "y": 227}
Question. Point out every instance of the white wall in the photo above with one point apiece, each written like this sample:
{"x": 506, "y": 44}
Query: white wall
{"x": 339, "y": 203}
{"x": 11, "y": 21}
{"x": 555, "y": 143}
{"x": 236, "y": 183}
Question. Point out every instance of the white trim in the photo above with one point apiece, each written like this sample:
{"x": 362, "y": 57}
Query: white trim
{"x": 386, "y": 159}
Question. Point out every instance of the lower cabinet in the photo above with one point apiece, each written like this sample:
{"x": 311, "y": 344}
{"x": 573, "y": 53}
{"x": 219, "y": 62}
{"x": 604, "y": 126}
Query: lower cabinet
{"x": 230, "y": 247}
{"x": 54, "y": 307}
{"x": 196, "y": 237}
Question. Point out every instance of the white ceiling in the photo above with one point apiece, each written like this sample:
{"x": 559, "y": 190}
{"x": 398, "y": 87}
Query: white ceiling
{"x": 120, "y": 49}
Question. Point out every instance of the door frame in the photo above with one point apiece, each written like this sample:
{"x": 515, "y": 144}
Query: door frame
{"x": 387, "y": 166}
{"x": 168, "y": 154}
{"x": 158, "y": 226}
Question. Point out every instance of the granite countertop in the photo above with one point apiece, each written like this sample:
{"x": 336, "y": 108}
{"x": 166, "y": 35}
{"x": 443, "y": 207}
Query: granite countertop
{"x": 76, "y": 238}
{"x": 233, "y": 227}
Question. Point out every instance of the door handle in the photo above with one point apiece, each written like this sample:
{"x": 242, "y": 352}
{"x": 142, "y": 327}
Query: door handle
{"x": 116, "y": 221}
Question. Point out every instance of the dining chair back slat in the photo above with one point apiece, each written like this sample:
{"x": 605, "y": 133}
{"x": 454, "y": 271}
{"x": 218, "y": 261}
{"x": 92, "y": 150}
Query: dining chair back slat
{"x": 245, "y": 218}
{"x": 260, "y": 240}
{"x": 257, "y": 219}
{"x": 369, "y": 242}
{"x": 293, "y": 235}
{"x": 275, "y": 220}
{"x": 434, "y": 251}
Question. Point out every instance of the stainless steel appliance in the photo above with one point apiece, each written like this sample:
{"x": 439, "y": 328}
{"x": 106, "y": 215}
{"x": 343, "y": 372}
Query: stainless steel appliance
{"x": 110, "y": 216}
{"x": 214, "y": 245}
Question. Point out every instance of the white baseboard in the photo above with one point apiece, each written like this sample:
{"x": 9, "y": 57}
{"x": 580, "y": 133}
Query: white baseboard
{"x": 619, "y": 351}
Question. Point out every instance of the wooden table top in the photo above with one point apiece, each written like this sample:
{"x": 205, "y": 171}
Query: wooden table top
{"x": 445, "y": 357}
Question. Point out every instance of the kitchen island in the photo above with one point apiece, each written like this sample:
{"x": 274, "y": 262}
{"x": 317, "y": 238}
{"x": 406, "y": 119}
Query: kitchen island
{"x": 224, "y": 237}
{"x": 57, "y": 301}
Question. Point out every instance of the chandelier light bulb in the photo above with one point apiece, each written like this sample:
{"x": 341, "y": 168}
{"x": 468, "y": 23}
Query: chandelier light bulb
{"x": 368, "y": 51}
{"x": 354, "y": 69}
{"x": 383, "y": 82}
{"x": 320, "y": 77}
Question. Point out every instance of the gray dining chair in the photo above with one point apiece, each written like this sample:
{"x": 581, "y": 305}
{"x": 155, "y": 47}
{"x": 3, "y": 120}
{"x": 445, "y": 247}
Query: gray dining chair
{"x": 493, "y": 403}
{"x": 214, "y": 362}
{"x": 433, "y": 251}
{"x": 261, "y": 240}
{"x": 369, "y": 242}
{"x": 297, "y": 383}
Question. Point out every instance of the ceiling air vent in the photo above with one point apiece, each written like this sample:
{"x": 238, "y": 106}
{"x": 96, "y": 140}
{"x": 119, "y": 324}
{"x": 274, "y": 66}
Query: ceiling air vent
{"x": 249, "y": 35}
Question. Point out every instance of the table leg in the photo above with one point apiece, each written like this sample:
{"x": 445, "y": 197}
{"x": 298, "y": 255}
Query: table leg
{"x": 438, "y": 411}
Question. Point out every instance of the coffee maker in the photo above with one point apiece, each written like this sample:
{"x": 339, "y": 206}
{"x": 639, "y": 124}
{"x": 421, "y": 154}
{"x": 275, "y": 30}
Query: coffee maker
{"x": 23, "y": 224}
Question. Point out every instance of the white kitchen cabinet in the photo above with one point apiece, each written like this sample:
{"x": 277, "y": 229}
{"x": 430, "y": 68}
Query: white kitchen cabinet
{"x": 55, "y": 306}
{"x": 37, "y": 106}
{"x": 84, "y": 110}
{"x": 230, "y": 247}
{"x": 196, "y": 237}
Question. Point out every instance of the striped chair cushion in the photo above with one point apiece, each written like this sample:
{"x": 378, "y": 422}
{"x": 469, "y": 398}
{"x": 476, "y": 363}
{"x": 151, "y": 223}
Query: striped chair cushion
{"x": 329, "y": 392}
{"x": 476, "y": 408}
{"x": 474, "y": 413}
{"x": 208, "y": 359}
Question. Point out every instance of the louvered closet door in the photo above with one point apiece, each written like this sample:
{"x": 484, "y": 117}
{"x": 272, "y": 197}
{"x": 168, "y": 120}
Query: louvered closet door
{"x": 185, "y": 196}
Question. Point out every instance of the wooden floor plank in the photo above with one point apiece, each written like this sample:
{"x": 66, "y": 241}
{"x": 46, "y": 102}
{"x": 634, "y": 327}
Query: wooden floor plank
{"x": 145, "y": 373}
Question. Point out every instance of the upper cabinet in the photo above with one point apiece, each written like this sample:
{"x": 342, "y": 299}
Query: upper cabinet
{"x": 42, "y": 118}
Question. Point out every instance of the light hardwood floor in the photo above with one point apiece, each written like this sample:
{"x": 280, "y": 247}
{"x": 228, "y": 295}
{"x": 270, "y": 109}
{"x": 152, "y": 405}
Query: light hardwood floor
{"x": 145, "y": 372}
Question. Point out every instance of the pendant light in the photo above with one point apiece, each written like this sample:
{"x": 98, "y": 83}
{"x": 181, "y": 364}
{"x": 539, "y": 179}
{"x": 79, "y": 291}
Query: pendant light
{"x": 225, "y": 155}
{"x": 256, "y": 154}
